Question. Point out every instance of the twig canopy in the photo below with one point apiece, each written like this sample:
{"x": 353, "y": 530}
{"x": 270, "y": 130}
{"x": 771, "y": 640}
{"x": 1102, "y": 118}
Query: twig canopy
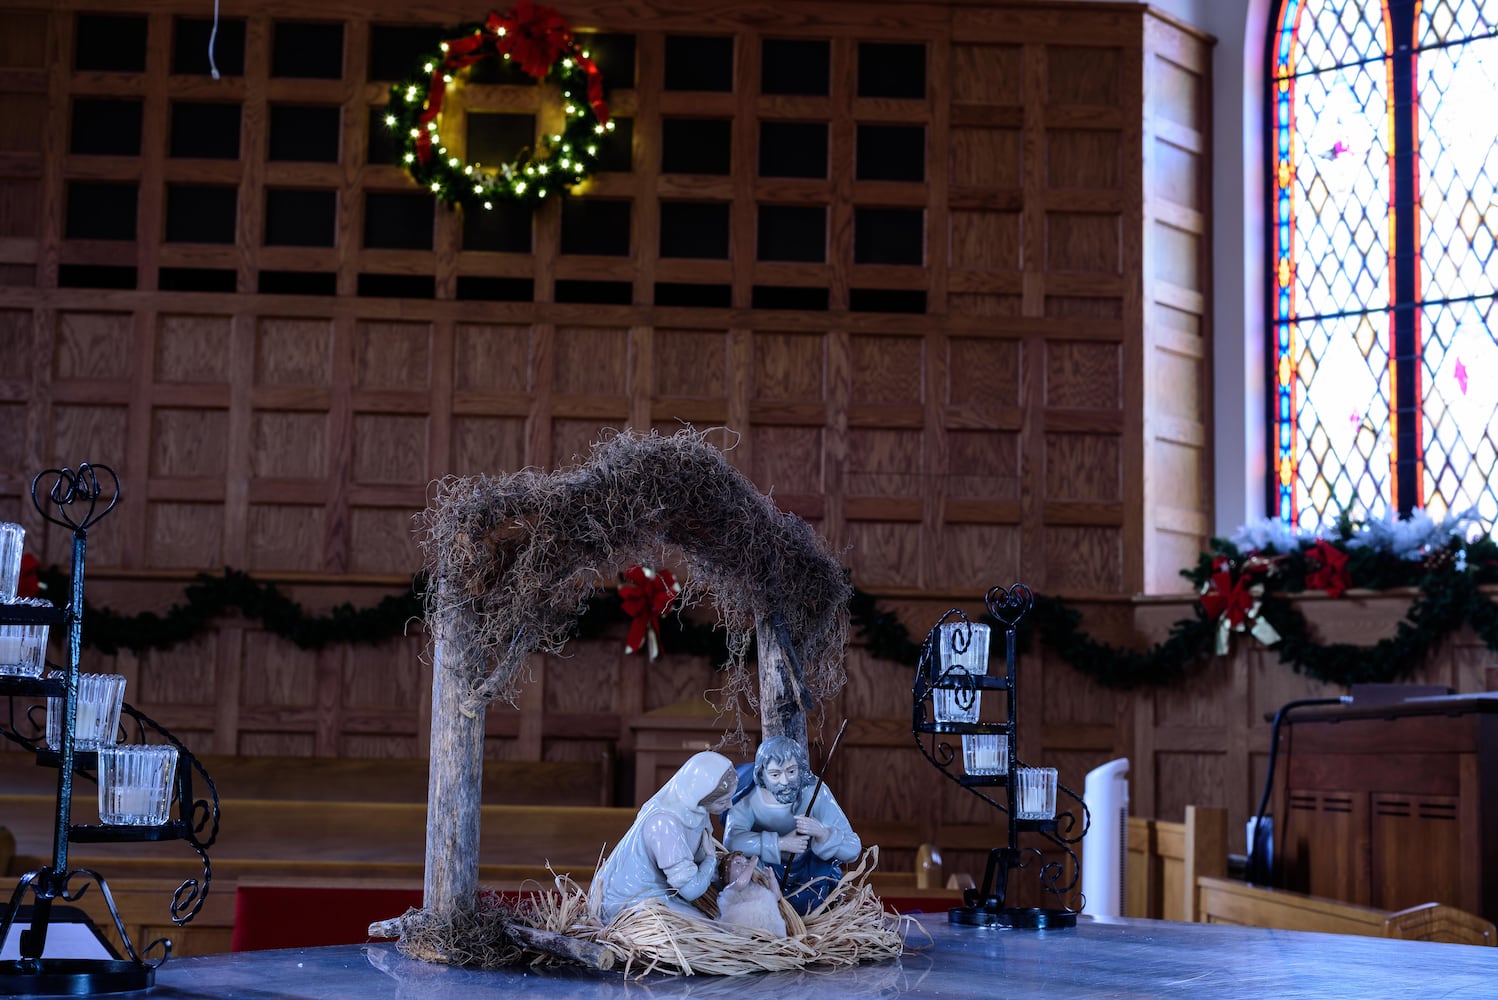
{"x": 516, "y": 557}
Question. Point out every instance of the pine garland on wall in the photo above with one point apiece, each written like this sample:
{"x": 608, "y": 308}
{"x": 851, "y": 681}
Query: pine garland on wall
{"x": 1241, "y": 589}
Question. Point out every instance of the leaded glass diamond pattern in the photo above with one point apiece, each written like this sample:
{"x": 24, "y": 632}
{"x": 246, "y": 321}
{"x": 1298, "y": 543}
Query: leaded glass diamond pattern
{"x": 1349, "y": 215}
{"x": 1460, "y": 434}
{"x": 1342, "y": 192}
{"x": 1458, "y": 168}
{"x": 1338, "y": 34}
{"x": 1342, "y": 443}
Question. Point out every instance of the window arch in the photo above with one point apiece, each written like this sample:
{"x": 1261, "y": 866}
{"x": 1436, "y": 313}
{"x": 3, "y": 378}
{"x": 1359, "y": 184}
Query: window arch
{"x": 1383, "y": 164}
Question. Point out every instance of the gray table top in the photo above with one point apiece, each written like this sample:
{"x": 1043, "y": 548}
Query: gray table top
{"x": 1098, "y": 958}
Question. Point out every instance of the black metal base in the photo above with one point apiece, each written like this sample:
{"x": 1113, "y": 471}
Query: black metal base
{"x": 1025, "y": 918}
{"x": 72, "y": 977}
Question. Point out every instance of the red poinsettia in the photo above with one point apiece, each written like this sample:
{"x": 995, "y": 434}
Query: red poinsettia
{"x": 646, "y": 594}
{"x": 1327, "y": 568}
{"x": 29, "y": 583}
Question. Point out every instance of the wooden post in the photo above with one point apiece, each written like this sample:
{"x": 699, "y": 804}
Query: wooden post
{"x": 782, "y": 684}
{"x": 454, "y": 785}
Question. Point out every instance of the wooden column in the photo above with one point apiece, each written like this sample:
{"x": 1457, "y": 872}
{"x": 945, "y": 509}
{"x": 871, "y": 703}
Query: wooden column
{"x": 454, "y": 786}
{"x": 782, "y": 683}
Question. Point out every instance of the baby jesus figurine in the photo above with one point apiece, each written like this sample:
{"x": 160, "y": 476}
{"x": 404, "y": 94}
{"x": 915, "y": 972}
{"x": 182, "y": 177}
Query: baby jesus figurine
{"x": 750, "y": 897}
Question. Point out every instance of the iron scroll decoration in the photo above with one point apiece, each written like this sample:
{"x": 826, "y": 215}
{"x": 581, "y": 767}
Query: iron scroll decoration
{"x": 986, "y": 904}
{"x": 76, "y": 500}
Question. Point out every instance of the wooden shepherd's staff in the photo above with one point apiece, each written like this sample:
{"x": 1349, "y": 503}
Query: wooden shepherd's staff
{"x": 821, "y": 777}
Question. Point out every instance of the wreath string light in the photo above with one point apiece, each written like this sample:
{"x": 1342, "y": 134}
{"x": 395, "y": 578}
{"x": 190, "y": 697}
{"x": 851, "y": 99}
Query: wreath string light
{"x": 541, "y": 43}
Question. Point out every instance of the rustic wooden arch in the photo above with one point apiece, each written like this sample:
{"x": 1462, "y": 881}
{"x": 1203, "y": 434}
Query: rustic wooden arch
{"x": 515, "y": 557}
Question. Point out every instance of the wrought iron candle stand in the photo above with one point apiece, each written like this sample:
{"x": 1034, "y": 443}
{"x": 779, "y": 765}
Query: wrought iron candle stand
{"x": 954, "y": 685}
{"x": 75, "y": 501}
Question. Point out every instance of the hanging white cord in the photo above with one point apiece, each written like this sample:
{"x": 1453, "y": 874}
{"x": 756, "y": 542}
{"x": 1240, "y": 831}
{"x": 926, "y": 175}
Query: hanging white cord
{"x": 213, "y": 66}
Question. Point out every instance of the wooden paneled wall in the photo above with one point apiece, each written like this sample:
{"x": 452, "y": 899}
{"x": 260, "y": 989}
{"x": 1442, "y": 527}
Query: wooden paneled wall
{"x": 990, "y": 363}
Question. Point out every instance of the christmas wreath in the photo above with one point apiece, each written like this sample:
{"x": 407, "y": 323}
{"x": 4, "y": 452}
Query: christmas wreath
{"x": 541, "y": 43}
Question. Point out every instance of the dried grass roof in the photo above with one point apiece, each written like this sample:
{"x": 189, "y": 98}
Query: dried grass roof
{"x": 516, "y": 556}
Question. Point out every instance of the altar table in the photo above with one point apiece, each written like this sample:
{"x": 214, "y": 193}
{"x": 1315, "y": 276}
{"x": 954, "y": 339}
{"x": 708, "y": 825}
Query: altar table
{"x": 1121, "y": 958}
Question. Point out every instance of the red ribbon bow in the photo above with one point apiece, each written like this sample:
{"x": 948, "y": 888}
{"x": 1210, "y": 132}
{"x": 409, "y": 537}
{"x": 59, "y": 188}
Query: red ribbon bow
{"x": 1328, "y": 568}
{"x": 645, "y": 595}
{"x": 535, "y": 36}
{"x": 1228, "y": 595}
{"x": 29, "y": 583}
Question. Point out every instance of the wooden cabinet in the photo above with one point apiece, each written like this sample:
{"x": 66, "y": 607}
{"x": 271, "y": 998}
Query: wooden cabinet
{"x": 1391, "y": 806}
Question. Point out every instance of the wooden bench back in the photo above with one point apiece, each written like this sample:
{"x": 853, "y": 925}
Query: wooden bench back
{"x": 1165, "y": 860}
{"x": 349, "y": 779}
{"x": 1226, "y": 901}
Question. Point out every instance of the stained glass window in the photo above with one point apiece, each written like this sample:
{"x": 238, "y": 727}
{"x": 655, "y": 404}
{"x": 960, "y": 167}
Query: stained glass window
{"x": 1383, "y": 349}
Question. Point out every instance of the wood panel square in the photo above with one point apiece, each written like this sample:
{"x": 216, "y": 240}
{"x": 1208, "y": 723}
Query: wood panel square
{"x": 192, "y": 349}
{"x": 185, "y": 674}
{"x": 20, "y": 209}
{"x": 279, "y": 675}
{"x": 1176, "y": 255}
{"x": 1177, "y": 92}
{"x": 591, "y": 361}
{"x": 1083, "y": 375}
{"x": 1083, "y": 467}
{"x": 1083, "y": 74}
{"x": 487, "y": 445}
{"x": 789, "y": 367}
{"x": 986, "y": 241}
{"x": 87, "y": 434}
{"x": 390, "y": 448}
{"x": 1083, "y": 158}
{"x": 572, "y": 440}
{"x": 184, "y": 534}
{"x": 491, "y": 358}
{"x": 885, "y": 463}
{"x": 285, "y": 445}
{"x": 384, "y": 542}
{"x": 1088, "y": 559}
{"x": 982, "y": 465}
{"x": 390, "y": 355}
{"x": 1175, "y": 175}
{"x": 93, "y": 346}
{"x": 973, "y": 557}
{"x": 284, "y": 536}
{"x": 189, "y": 443}
{"x": 987, "y": 74}
{"x": 16, "y": 338}
{"x": 888, "y": 370}
{"x": 982, "y": 372}
{"x": 1184, "y": 467}
{"x": 690, "y": 363}
{"x": 985, "y": 306}
{"x": 787, "y": 459}
{"x": 386, "y": 676}
{"x": 1089, "y": 242}
{"x": 887, "y": 553}
{"x": 987, "y": 157}
{"x": 294, "y": 352}
{"x": 567, "y": 691}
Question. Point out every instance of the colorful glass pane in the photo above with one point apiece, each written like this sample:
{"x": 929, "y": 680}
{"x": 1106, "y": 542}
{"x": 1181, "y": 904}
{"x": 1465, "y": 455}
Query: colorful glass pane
{"x": 1385, "y": 220}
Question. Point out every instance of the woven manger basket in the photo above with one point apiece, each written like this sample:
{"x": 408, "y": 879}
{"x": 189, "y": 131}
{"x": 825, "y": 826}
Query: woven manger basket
{"x": 850, "y": 926}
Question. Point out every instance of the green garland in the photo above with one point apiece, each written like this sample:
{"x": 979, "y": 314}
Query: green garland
{"x": 1447, "y": 598}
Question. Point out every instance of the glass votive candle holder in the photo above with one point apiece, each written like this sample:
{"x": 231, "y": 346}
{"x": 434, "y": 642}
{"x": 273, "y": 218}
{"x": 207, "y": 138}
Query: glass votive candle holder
{"x": 135, "y": 784}
{"x": 963, "y": 648}
{"x": 1035, "y": 793}
{"x": 23, "y": 648}
{"x": 98, "y": 719}
{"x": 985, "y": 753}
{"x": 12, "y": 537}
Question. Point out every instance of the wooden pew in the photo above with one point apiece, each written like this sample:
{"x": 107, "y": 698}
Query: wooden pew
{"x": 1226, "y": 901}
{"x": 1166, "y": 860}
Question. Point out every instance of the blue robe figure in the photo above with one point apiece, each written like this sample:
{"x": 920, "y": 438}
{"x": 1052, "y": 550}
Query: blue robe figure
{"x": 773, "y": 818}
